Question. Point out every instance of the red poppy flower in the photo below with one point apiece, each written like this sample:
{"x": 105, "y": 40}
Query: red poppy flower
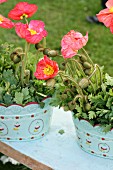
{"x": 72, "y": 42}
{"x": 5, "y": 22}
{"x": 1, "y": 1}
{"x": 33, "y": 33}
{"x": 46, "y": 69}
{"x": 106, "y": 15}
{"x": 21, "y": 10}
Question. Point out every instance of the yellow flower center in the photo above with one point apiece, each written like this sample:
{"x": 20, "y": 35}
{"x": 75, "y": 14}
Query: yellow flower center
{"x": 33, "y": 32}
{"x": 24, "y": 16}
{"x": 1, "y": 19}
{"x": 48, "y": 70}
{"x": 111, "y": 10}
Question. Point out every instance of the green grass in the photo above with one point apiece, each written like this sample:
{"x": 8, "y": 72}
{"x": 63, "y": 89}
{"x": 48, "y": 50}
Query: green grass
{"x": 60, "y": 16}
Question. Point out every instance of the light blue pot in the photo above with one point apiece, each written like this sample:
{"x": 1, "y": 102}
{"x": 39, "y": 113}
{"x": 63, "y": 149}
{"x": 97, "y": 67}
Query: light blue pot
{"x": 93, "y": 140}
{"x": 30, "y": 122}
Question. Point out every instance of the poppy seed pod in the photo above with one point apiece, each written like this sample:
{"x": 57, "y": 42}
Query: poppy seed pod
{"x": 87, "y": 71}
{"x": 86, "y": 65}
{"x": 83, "y": 58}
{"x": 46, "y": 51}
{"x": 51, "y": 82}
{"x": 87, "y": 106}
{"x": 52, "y": 53}
{"x": 83, "y": 83}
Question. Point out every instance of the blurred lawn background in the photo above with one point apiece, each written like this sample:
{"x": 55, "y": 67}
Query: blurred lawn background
{"x": 61, "y": 16}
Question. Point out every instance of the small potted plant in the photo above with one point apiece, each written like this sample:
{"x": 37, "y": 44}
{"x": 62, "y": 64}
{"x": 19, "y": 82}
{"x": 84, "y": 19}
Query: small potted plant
{"x": 84, "y": 88}
{"x": 25, "y": 113}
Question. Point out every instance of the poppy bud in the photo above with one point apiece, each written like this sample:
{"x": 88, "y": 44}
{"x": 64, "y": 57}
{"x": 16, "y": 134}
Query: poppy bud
{"x": 46, "y": 51}
{"x": 83, "y": 58}
{"x": 27, "y": 72}
{"x": 87, "y": 71}
{"x": 52, "y": 53}
{"x": 66, "y": 82}
{"x": 51, "y": 82}
{"x": 18, "y": 50}
{"x": 64, "y": 96}
{"x": 62, "y": 66}
{"x": 16, "y": 59}
{"x": 86, "y": 65}
{"x": 71, "y": 105}
{"x": 83, "y": 83}
{"x": 87, "y": 106}
{"x": 38, "y": 46}
{"x": 66, "y": 108}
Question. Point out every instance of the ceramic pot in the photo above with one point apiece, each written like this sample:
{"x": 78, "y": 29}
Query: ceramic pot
{"x": 93, "y": 140}
{"x": 30, "y": 122}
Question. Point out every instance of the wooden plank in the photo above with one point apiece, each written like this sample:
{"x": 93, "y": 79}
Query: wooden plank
{"x": 23, "y": 159}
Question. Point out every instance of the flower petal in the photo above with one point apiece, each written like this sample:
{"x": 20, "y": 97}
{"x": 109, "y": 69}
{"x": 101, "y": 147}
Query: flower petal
{"x": 21, "y": 29}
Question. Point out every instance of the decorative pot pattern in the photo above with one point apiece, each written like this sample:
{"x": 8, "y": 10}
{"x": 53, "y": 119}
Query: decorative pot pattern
{"x": 25, "y": 123}
{"x": 93, "y": 140}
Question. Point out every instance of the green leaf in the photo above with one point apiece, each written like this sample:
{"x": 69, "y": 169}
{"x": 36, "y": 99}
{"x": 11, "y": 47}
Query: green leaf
{"x": 107, "y": 128}
{"x": 109, "y": 80}
{"x": 111, "y": 92}
{"x": 92, "y": 114}
{"x": 8, "y": 76}
{"x": 18, "y": 97}
{"x": 25, "y": 92}
{"x": 61, "y": 131}
{"x": 7, "y": 99}
{"x": 109, "y": 102}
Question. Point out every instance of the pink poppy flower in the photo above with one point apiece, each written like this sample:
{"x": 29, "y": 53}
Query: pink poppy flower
{"x": 33, "y": 33}
{"x": 106, "y": 15}
{"x": 72, "y": 42}
{"x": 46, "y": 69}
{"x": 21, "y": 29}
{"x": 1, "y": 1}
{"x": 21, "y": 10}
{"x": 5, "y": 22}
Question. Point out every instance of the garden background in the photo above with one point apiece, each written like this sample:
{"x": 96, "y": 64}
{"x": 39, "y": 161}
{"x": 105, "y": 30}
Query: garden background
{"x": 61, "y": 16}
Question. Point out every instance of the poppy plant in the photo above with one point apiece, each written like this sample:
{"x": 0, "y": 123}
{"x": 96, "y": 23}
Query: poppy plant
{"x": 1, "y": 1}
{"x": 72, "y": 42}
{"x": 46, "y": 69}
{"x": 5, "y": 22}
{"x": 33, "y": 32}
{"x": 106, "y": 15}
{"x": 21, "y": 10}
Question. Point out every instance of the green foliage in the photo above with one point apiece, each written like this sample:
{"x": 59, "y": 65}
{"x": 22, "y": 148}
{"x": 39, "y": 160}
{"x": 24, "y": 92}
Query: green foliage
{"x": 11, "y": 89}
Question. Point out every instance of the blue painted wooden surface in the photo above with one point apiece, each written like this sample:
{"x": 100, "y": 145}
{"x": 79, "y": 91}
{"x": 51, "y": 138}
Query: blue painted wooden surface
{"x": 61, "y": 152}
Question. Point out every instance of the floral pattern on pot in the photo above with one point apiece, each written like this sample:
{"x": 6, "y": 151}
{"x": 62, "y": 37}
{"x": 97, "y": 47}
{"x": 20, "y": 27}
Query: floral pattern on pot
{"x": 25, "y": 123}
{"x": 93, "y": 140}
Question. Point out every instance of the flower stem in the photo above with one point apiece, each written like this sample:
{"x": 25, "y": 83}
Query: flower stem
{"x": 88, "y": 57}
{"x": 44, "y": 42}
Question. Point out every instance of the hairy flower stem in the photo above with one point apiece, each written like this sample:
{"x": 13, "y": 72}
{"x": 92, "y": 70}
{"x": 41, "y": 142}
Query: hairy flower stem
{"x": 93, "y": 73}
{"x": 79, "y": 67}
{"x": 99, "y": 73}
{"x": 24, "y": 62}
{"x": 69, "y": 68}
{"x": 75, "y": 83}
{"x": 44, "y": 42}
{"x": 89, "y": 59}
